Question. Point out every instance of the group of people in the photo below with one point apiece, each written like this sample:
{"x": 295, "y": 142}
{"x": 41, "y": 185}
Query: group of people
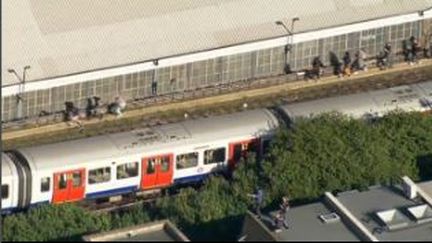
{"x": 410, "y": 49}
{"x": 349, "y": 65}
{"x": 279, "y": 220}
{"x": 93, "y": 109}
{"x": 341, "y": 68}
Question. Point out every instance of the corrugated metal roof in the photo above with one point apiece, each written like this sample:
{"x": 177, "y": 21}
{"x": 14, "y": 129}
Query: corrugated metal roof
{"x": 60, "y": 37}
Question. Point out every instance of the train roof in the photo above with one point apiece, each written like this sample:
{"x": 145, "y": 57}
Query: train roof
{"x": 147, "y": 140}
{"x": 379, "y": 102}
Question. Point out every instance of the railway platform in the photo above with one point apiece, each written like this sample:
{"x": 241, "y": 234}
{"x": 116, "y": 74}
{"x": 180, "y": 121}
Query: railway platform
{"x": 207, "y": 99}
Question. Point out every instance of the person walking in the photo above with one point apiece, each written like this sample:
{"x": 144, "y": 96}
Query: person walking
{"x": 258, "y": 196}
{"x": 284, "y": 206}
{"x": 388, "y": 53}
{"x": 347, "y": 64}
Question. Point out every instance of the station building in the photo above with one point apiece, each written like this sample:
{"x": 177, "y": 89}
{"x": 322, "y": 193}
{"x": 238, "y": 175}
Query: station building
{"x": 78, "y": 49}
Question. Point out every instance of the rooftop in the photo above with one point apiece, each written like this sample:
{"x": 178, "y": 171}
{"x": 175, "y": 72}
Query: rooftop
{"x": 382, "y": 213}
{"x": 364, "y": 206}
{"x": 48, "y": 36}
{"x": 157, "y": 231}
{"x": 309, "y": 226}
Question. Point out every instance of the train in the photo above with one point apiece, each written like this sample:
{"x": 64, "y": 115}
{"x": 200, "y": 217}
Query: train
{"x": 159, "y": 157}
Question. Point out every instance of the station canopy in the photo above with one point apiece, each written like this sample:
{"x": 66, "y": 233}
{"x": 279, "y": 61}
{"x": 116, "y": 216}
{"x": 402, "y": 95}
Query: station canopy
{"x": 63, "y": 37}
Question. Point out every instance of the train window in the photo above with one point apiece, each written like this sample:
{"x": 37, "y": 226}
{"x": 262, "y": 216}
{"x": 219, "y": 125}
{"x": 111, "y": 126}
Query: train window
{"x": 214, "y": 156}
{"x": 45, "y": 184}
{"x": 151, "y": 166}
{"x": 165, "y": 165}
{"x": 99, "y": 175}
{"x": 127, "y": 170}
{"x": 62, "y": 184}
{"x": 76, "y": 179}
{"x": 185, "y": 161}
{"x": 4, "y": 191}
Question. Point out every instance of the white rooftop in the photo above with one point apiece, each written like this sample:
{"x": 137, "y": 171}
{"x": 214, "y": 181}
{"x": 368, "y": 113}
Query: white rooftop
{"x": 61, "y": 37}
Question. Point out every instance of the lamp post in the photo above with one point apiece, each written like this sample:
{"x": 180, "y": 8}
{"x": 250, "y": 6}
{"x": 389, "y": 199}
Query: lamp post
{"x": 21, "y": 89}
{"x": 290, "y": 41}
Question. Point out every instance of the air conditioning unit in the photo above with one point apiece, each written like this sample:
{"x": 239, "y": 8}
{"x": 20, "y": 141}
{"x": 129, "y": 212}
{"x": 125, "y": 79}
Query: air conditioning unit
{"x": 410, "y": 189}
{"x": 330, "y": 218}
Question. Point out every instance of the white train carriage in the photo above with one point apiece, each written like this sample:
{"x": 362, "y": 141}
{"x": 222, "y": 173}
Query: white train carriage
{"x": 138, "y": 160}
{"x": 407, "y": 98}
{"x": 9, "y": 187}
{"x": 416, "y": 97}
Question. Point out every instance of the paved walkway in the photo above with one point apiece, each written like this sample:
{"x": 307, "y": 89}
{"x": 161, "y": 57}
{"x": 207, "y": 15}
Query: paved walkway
{"x": 214, "y": 100}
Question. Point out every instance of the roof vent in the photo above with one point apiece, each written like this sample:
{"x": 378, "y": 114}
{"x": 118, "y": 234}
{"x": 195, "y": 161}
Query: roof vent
{"x": 393, "y": 219}
{"x": 329, "y": 218}
{"x": 421, "y": 213}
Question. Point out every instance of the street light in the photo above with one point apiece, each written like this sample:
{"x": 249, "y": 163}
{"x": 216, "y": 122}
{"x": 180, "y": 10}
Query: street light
{"x": 20, "y": 89}
{"x": 290, "y": 40}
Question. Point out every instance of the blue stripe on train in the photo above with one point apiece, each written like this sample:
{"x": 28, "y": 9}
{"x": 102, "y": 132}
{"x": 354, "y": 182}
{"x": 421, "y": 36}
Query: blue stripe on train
{"x": 113, "y": 192}
{"x": 191, "y": 179}
{"x": 11, "y": 210}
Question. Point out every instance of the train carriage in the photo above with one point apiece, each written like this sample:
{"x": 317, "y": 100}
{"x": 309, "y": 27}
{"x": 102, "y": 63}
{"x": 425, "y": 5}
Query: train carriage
{"x": 142, "y": 159}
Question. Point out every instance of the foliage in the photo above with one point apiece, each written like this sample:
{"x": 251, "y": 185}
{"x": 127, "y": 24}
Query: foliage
{"x": 52, "y": 223}
{"x": 332, "y": 152}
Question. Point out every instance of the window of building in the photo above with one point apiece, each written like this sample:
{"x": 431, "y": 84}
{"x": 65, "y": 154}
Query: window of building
{"x": 185, "y": 161}
{"x": 127, "y": 170}
{"x": 4, "y": 191}
{"x": 214, "y": 156}
{"x": 45, "y": 184}
{"x": 99, "y": 175}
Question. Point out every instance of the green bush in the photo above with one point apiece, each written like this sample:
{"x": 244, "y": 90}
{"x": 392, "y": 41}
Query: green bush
{"x": 48, "y": 222}
{"x": 332, "y": 152}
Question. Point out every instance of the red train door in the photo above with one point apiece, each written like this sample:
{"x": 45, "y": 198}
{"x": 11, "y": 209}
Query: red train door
{"x": 157, "y": 171}
{"x": 240, "y": 149}
{"x": 69, "y": 186}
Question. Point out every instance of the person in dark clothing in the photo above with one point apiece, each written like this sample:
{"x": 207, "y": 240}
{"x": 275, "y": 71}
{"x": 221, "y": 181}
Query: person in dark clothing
{"x": 347, "y": 64}
{"x": 337, "y": 64}
{"x": 414, "y": 49}
{"x": 382, "y": 62}
{"x": 280, "y": 221}
{"x": 73, "y": 114}
{"x": 317, "y": 64}
{"x": 405, "y": 50}
{"x": 154, "y": 87}
{"x": 92, "y": 105}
